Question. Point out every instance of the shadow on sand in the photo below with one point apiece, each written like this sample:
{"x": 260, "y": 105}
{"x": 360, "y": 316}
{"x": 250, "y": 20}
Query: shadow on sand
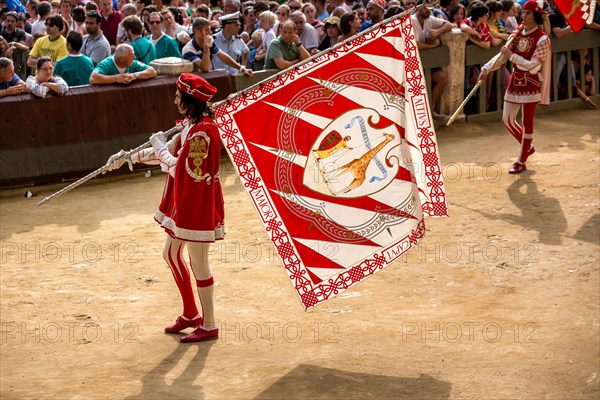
{"x": 313, "y": 382}
{"x": 156, "y": 385}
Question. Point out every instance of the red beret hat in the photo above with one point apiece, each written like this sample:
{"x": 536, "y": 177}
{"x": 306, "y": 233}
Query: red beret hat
{"x": 535, "y": 6}
{"x": 196, "y": 87}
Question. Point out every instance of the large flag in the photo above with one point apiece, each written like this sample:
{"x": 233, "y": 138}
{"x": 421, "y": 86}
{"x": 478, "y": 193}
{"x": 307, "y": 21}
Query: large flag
{"x": 577, "y": 12}
{"x": 339, "y": 157}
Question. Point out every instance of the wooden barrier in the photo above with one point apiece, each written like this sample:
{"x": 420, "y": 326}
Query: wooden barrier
{"x": 62, "y": 136}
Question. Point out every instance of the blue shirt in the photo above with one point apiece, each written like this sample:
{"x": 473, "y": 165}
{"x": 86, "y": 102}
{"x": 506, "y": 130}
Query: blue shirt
{"x": 235, "y": 48}
{"x": 192, "y": 51}
{"x": 13, "y": 81}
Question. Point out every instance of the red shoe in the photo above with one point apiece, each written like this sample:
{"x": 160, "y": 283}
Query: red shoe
{"x": 531, "y": 151}
{"x": 517, "y": 168}
{"x": 183, "y": 323}
{"x": 200, "y": 335}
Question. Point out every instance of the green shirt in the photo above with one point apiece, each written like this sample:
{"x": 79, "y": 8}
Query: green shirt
{"x": 278, "y": 49}
{"x": 108, "y": 67}
{"x": 166, "y": 46}
{"x": 144, "y": 50}
{"x": 75, "y": 70}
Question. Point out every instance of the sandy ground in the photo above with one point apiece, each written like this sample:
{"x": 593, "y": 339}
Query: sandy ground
{"x": 498, "y": 301}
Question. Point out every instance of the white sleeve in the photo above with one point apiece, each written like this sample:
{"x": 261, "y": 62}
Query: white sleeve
{"x": 165, "y": 156}
{"x": 64, "y": 87}
{"x": 539, "y": 55}
{"x": 35, "y": 88}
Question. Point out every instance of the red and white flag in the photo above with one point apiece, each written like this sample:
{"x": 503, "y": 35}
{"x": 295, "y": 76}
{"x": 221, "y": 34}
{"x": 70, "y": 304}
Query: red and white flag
{"x": 339, "y": 157}
{"x": 577, "y": 12}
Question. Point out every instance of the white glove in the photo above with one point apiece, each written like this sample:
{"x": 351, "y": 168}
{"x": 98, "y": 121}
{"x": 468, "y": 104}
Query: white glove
{"x": 158, "y": 141}
{"x": 117, "y": 160}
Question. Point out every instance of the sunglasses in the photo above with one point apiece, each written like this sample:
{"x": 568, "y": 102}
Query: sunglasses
{"x": 294, "y": 8}
{"x": 154, "y": 22}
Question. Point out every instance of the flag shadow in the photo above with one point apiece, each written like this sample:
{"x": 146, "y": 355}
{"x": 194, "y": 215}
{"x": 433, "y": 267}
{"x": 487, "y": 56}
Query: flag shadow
{"x": 589, "y": 230}
{"x": 156, "y": 385}
{"x": 314, "y": 382}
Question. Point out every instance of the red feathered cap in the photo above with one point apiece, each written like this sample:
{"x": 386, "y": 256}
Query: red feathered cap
{"x": 534, "y": 6}
{"x": 196, "y": 87}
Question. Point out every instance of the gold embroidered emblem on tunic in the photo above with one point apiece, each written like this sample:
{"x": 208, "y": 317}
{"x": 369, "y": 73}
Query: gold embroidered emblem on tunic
{"x": 198, "y": 151}
{"x": 524, "y": 44}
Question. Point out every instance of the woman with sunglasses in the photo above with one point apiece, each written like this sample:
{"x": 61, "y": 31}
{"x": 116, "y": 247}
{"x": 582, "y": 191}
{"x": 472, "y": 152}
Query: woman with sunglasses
{"x": 44, "y": 82}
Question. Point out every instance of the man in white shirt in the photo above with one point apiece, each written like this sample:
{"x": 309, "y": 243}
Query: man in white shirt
{"x": 308, "y": 35}
{"x": 229, "y": 42}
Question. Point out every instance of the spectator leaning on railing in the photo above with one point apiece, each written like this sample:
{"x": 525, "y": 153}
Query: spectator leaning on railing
{"x": 201, "y": 48}
{"x": 286, "y": 50}
{"x": 122, "y": 67}
{"x": 476, "y": 26}
{"x": 44, "y": 82}
{"x": 10, "y": 83}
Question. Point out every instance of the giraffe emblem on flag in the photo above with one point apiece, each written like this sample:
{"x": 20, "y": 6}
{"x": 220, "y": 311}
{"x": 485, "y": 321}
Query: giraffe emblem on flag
{"x": 352, "y": 166}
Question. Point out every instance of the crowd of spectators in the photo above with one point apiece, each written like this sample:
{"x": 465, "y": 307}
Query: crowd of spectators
{"x": 114, "y": 41}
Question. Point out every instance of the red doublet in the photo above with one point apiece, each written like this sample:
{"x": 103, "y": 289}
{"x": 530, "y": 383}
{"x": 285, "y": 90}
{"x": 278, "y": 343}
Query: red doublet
{"x": 192, "y": 205}
{"x": 525, "y": 86}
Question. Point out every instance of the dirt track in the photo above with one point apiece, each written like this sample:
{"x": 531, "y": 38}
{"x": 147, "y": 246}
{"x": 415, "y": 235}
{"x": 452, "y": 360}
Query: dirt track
{"x": 499, "y": 301}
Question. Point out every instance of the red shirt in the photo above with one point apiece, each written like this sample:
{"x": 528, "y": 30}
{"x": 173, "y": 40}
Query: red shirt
{"x": 110, "y": 26}
{"x": 483, "y": 30}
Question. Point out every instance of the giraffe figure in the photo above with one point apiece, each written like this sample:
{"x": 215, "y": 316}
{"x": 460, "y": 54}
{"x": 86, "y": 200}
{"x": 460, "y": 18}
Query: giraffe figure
{"x": 358, "y": 167}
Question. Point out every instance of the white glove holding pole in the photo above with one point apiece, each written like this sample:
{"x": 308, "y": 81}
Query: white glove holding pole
{"x": 117, "y": 160}
{"x": 158, "y": 141}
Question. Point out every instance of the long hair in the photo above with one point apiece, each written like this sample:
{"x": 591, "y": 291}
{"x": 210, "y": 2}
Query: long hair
{"x": 537, "y": 17}
{"x": 193, "y": 108}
